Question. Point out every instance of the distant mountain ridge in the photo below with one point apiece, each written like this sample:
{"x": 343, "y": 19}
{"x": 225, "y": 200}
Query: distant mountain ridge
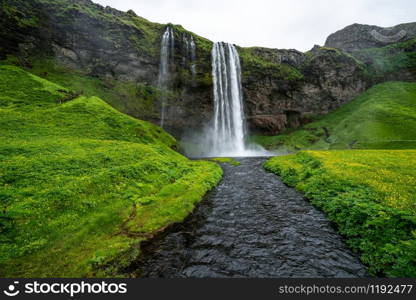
{"x": 358, "y": 36}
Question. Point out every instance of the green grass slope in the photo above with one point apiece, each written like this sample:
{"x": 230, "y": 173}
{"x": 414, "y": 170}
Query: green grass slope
{"x": 370, "y": 195}
{"x": 383, "y": 117}
{"x": 392, "y": 61}
{"x": 81, "y": 185}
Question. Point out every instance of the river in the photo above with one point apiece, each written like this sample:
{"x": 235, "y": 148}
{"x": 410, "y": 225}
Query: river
{"x": 251, "y": 225}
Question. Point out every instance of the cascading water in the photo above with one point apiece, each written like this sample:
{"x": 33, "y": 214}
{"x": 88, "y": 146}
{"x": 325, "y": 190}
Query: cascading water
{"x": 192, "y": 57}
{"x": 166, "y": 55}
{"x": 229, "y": 125}
{"x": 225, "y": 136}
{"x": 189, "y": 54}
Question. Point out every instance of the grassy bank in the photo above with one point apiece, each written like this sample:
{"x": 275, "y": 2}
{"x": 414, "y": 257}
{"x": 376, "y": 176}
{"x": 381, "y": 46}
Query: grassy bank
{"x": 368, "y": 194}
{"x": 226, "y": 160}
{"x": 383, "y": 117}
{"x": 82, "y": 184}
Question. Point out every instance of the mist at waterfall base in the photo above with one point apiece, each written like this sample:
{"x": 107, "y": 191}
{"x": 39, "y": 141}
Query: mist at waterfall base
{"x": 225, "y": 135}
{"x": 200, "y": 144}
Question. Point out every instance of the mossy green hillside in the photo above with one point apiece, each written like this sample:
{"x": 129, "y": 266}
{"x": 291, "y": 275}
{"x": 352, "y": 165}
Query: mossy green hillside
{"x": 383, "y": 117}
{"x": 368, "y": 194}
{"x": 82, "y": 184}
{"x": 135, "y": 99}
{"x": 389, "y": 60}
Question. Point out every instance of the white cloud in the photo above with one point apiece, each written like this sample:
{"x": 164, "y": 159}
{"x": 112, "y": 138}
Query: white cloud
{"x": 295, "y": 24}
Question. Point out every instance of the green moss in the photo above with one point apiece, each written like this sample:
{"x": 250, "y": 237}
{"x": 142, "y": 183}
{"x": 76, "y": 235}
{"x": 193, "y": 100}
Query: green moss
{"x": 394, "y": 58}
{"x": 289, "y": 141}
{"x": 18, "y": 16}
{"x": 10, "y": 60}
{"x": 253, "y": 64}
{"x": 368, "y": 194}
{"x": 202, "y": 60}
{"x": 227, "y": 160}
{"x": 337, "y": 60}
{"x": 383, "y": 117}
{"x": 201, "y": 42}
{"x": 146, "y": 39}
{"x": 133, "y": 98}
{"x": 149, "y": 42}
{"x": 81, "y": 184}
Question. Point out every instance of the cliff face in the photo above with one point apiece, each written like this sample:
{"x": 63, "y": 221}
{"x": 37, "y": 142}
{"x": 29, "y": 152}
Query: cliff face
{"x": 121, "y": 52}
{"x": 81, "y": 35}
{"x": 291, "y": 86}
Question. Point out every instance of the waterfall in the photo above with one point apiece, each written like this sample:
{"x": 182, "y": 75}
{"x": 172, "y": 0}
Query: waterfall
{"x": 166, "y": 55}
{"x": 225, "y": 135}
{"x": 192, "y": 57}
{"x": 228, "y": 135}
{"x": 189, "y": 54}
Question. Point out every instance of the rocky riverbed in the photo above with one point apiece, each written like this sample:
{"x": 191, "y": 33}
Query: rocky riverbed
{"x": 251, "y": 225}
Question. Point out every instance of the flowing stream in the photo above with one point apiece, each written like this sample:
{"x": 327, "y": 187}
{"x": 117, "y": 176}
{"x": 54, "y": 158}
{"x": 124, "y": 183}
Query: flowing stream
{"x": 251, "y": 225}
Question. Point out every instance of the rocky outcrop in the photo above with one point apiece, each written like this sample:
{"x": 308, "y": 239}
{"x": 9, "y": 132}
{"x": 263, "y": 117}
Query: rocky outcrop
{"x": 326, "y": 79}
{"x": 357, "y": 36}
{"x": 99, "y": 43}
{"x": 291, "y": 57}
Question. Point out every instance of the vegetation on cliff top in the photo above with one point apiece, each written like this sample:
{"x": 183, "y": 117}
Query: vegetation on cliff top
{"x": 82, "y": 184}
{"x": 253, "y": 64}
{"x": 389, "y": 60}
{"x": 383, "y": 117}
{"x": 368, "y": 194}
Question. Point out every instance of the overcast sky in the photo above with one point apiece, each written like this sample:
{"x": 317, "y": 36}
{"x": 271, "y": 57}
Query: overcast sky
{"x": 298, "y": 24}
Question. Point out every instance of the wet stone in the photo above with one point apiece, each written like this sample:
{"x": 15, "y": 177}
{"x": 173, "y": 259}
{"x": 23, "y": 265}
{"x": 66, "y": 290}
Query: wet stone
{"x": 251, "y": 225}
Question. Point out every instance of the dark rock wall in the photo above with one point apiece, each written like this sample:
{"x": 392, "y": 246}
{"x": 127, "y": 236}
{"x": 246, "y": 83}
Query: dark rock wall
{"x": 326, "y": 79}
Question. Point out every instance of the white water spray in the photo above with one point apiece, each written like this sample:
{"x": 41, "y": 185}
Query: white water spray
{"x": 225, "y": 135}
{"x": 166, "y": 55}
{"x": 228, "y": 131}
{"x": 229, "y": 125}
